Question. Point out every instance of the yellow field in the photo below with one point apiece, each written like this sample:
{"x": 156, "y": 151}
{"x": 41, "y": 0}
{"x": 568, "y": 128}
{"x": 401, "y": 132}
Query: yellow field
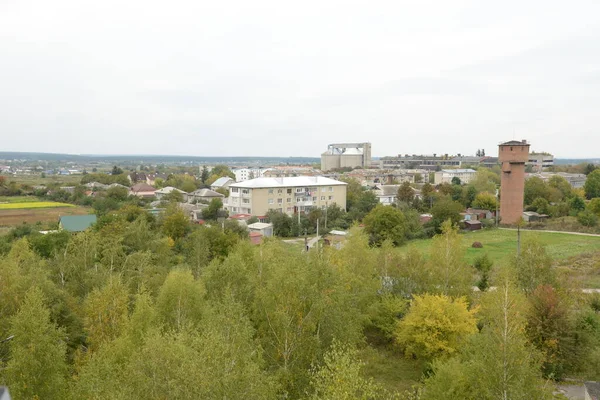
{"x": 33, "y": 204}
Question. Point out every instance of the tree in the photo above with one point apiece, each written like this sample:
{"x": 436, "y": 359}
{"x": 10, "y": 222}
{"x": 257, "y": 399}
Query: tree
{"x": 385, "y": 223}
{"x": 499, "y": 362}
{"x": 37, "y": 367}
{"x": 443, "y": 210}
{"x": 435, "y": 326}
{"x": 204, "y": 175}
{"x": 339, "y": 377}
{"x": 533, "y": 266}
{"x": 485, "y": 180}
{"x": 449, "y": 273}
{"x": 116, "y": 171}
{"x": 587, "y": 218}
{"x": 540, "y": 205}
{"x": 483, "y": 265}
{"x": 212, "y": 211}
{"x": 576, "y": 204}
{"x": 406, "y": 192}
{"x": 594, "y": 206}
{"x": 592, "y": 184}
{"x": 485, "y": 201}
{"x": 562, "y": 185}
{"x": 456, "y": 180}
{"x": 589, "y": 168}
{"x": 175, "y": 224}
{"x": 536, "y": 188}
{"x": 469, "y": 195}
{"x": 180, "y": 302}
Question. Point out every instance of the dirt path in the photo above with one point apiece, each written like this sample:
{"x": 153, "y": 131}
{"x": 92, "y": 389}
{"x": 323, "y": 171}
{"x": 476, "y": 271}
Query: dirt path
{"x": 542, "y": 230}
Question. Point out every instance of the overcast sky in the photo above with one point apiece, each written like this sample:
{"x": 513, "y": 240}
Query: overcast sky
{"x": 283, "y": 78}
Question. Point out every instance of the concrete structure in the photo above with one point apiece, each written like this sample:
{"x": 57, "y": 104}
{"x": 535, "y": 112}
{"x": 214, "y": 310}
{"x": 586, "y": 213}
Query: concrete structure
{"x": 289, "y": 195}
{"x": 592, "y": 390}
{"x": 446, "y": 175}
{"x": 434, "y": 161}
{"x": 540, "y": 161}
{"x": 263, "y": 228}
{"x": 512, "y": 155}
{"x": 575, "y": 180}
{"x": 243, "y": 174}
{"x": 346, "y": 155}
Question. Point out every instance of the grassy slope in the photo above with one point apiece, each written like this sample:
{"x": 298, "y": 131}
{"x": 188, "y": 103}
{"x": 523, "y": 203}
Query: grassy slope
{"x": 18, "y": 199}
{"x": 502, "y": 244}
{"x": 33, "y": 204}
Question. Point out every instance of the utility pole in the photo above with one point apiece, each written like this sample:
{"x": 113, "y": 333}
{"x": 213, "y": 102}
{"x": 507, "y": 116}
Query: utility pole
{"x": 326, "y": 217}
{"x": 317, "y": 244}
{"x": 497, "y": 207}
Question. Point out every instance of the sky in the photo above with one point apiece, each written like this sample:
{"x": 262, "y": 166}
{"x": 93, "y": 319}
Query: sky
{"x": 282, "y": 78}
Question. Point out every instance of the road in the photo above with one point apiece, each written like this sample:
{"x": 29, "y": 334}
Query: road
{"x": 542, "y": 230}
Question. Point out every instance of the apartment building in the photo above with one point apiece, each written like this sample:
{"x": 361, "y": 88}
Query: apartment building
{"x": 287, "y": 194}
{"x": 539, "y": 161}
{"x": 244, "y": 174}
{"x": 446, "y": 175}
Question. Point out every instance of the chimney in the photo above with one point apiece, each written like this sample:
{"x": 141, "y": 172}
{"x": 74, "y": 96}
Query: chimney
{"x": 524, "y": 141}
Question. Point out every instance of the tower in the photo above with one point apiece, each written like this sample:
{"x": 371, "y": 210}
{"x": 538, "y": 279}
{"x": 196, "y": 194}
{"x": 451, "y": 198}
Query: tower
{"x": 512, "y": 155}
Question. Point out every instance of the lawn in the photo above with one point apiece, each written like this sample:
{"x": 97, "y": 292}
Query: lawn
{"x": 33, "y": 204}
{"x": 501, "y": 244}
{"x": 19, "y": 216}
{"x": 18, "y": 199}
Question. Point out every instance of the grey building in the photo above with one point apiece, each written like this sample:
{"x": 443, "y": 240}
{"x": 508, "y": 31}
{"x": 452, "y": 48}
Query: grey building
{"x": 346, "y": 155}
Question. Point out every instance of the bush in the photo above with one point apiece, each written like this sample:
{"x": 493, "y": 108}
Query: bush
{"x": 477, "y": 245}
{"x": 587, "y": 218}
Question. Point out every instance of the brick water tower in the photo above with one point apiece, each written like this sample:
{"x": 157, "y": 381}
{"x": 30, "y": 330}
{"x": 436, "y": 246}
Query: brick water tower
{"x": 512, "y": 156}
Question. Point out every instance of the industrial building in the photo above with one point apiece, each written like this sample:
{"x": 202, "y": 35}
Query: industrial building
{"x": 346, "y": 155}
{"x": 512, "y": 155}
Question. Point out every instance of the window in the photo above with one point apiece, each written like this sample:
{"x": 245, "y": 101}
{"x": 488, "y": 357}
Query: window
{"x": 289, "y": 209}
{"x": 331, "y": 188}
{"x": 315, "y": 198}
{"x": 289, "y": 191}
{"x": 299, "y": 190}
{"x": 234, "y": 190}
{"x": 330, "y": 197}
{"x": 323, "y": 189}
{"x": 270, "y": 201}
{"x": 299, "y": 199}
{"x": 289, "y": 200}
{"x": 270, "y": 191}
{"x": 245, "y": 191}
{"x": 245, "y": 201}
{"x": 279, "y": 191}
{"x": 279, "y": 201}
{"x": 322, "y": 197}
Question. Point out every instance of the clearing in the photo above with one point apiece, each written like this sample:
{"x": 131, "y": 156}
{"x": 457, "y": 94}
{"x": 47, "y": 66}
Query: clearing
{"x": 500, "y": 244}
{"x": 12, "y": 217}
{"x": 32, "y": 204}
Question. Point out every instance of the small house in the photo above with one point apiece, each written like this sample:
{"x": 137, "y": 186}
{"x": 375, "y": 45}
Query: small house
{"x": 263, "y": 228}
{"x": 532, "y": 216}
{"x": 256, "y": 238}
{"x": 472, "y": 225}
{"x": 222, "y": 183}
{"x": 76, "y": 223}
{"x": 204, "y": 195}
{"x": 142, "y": 190}
{"x": 168, "y": 190}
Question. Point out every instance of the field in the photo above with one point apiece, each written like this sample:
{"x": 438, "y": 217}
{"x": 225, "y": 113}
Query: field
{"x": 501, "y": 244}
{"x": 28, "y": 209}
{"x": 33, "y": 204}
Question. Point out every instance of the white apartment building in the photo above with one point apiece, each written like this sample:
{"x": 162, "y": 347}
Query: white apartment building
{"x": 287, "y": 194}
{"x": 446, "y": 175}
{"x": 243, "y": 174}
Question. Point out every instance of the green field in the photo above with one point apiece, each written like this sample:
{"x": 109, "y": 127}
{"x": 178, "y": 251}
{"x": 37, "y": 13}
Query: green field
{"x": 32, "y": 204}
{"x": 501, "y": 244}
{"x": 18, "y": 199}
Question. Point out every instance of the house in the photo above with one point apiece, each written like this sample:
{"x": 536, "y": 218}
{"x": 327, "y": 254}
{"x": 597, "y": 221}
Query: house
{"x": 243, "y": 174}
{"x": 168, "y": 190}
{"x": 532, "y": 216}
{"x": 204, "y": 195}
{"x": 425, "y": 218}
{"x": 76, "y": 223}
{"x": 116, "y": 185}
{"x": 263, "y": 228}
{"x": 222, "y": 183}
{"x": 241, "y": 219}
{"x": 472, "y": 225}
{"x": 386, "y": 194}
{"x": 592, "y": 390}
{"x": 446, "y": 175}
{"x": 151, "y": 178}
{"x": 96, "y": 185}
{"x": 289, "y": 195}
{"x": 142, "y": 190}
{"x": 481, "y": 214}
{"x": 135, "y": 177}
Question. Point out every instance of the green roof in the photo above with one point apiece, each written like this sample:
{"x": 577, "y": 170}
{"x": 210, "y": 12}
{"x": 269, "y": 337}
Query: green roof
{"x": 77, "y": 223}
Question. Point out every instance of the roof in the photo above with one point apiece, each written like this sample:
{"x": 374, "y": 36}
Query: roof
{"x": 593, "y": 390}
{"x": 221, "y": 181}
{"x": 240, "y": 216}
{"x": 142, "y": 187}
{"x": 459, "y": 171}
{"x": 472, "y": 222}
{"x": 77, "y": 223}
{"x": 338, "y": 233}
{"x": 206, "y": 193}
{"x": 169, "y": 189}
{"x": 515, "y": 143}
{"x": 291, "y": 181}
{"x": 114, "y": 185}
{"x": 259, "y": 225}
{"x": 95, "y": 185}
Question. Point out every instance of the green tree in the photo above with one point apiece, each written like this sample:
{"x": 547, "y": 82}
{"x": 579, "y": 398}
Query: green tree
{"x": 536, "y": 188}
{"x": 175, "y": 224}
{"x": 180, "y": 302}
{"x": 385, "y": 223}
{"x": 204, "y": 175}
{"x": 483, "y": 265}
{"x": 594, "y": 206}
{"x": 212, "y": 211}
{"x": 456, "y": 180}
{"x": 37, "y": 366}
{"x": 444, "y": 210}
{"x": 562, "y": 185}
{"x": 587, "y": 218}
{"x": 533, "y": 266}
{"x": 469, "y": 195}
{"x": 435, "y": 326}
{"x": 485, "y": 201}
{"x": 339, "y": 377}
{"x": 589, "y": 168}
{"x": 406, "y": 193}
{"x": 592, "y": 184}
{"x": 116, "y": 171}
{"x": 576, "y": 204}
{"x": 540, "y": 205}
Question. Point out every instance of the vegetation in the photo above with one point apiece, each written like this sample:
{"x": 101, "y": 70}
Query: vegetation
{"x": 33, "y": 204}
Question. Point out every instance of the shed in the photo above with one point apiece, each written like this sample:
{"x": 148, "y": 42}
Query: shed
{"x": 256, "y": 238}
{"x": 261, "y": 227}
{"x": 76, "y": 223}
{"x": 472, "y": 225}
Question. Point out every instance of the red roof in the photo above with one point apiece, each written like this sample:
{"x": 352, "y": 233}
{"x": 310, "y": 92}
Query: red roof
{"x": 256, "y": 237}
{"x": 240, "y": 216}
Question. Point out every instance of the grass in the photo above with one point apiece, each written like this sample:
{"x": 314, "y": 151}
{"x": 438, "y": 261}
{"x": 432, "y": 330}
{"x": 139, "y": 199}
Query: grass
{"x": 500, "y": 244}
{"x": 18, "y": 199}
{"x": 15, "y": 217}
{"x": 33, "y": 204}
{"x": 390, "y": 368}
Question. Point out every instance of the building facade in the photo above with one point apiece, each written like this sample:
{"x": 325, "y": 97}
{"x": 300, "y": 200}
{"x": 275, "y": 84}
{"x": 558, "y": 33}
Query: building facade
{"x": 512, "y": 155}
{"x": 289, "y": 195}
{"x": 576, "y": 181}
{"x": 539, "y": 161}
{"x": 346, "y": 155}
{"x": 243, "y": 174}
{"x": 446, "y": 175}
